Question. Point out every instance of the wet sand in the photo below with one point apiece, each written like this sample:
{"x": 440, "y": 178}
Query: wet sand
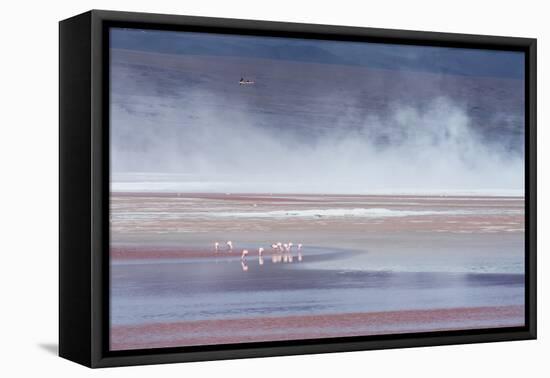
{"x": 203, "y": 217}
{"x": 208, "y": 332}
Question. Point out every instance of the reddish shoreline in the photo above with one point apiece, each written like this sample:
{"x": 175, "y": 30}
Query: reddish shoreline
{"x": 208, "y": 332}
{"x": 145, "y": 252}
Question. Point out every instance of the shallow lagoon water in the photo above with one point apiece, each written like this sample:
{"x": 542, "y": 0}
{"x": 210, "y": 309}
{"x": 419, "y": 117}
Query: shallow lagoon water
{"x": 199, "y": 289}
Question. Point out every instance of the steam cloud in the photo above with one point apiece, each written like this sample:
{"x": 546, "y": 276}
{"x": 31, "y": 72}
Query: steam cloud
{"x": 200, "y": 141}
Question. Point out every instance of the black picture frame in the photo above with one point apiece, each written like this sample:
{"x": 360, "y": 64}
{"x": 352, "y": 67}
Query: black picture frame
{"x": 84, "y": 188}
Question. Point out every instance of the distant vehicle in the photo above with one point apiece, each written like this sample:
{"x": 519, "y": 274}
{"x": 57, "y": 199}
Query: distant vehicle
{"x": 246, "y": 82}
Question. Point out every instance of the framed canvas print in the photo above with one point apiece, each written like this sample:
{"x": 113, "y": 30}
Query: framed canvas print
{"x": 234, "y": 188}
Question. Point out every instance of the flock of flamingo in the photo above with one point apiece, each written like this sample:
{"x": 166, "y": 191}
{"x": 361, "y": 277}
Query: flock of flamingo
{"x": 282, "y": 252}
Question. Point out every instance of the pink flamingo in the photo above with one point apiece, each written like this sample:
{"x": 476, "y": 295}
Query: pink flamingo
{"x": 216, "y": 246}
{"x": 260, "y": 251}
{"x": 244, "y": 254}
{"x": 230, "y": 246}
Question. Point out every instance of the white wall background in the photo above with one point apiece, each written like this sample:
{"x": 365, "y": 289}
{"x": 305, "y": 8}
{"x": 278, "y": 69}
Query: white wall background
{"x": 29, "y": 189}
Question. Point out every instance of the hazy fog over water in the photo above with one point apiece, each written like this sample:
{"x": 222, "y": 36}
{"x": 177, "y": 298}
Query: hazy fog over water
{"x": 322, "y": 117}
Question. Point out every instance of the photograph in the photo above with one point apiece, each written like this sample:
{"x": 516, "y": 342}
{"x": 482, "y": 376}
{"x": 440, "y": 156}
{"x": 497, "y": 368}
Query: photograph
{"x": 272, "y": 188}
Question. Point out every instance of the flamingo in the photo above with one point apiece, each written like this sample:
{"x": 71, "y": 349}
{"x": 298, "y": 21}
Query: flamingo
{"x": 216, "y": 246}
{"x": 260, "y": 251}
{"x": 243, "y": 255}
{"x": 230, "y": 246}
